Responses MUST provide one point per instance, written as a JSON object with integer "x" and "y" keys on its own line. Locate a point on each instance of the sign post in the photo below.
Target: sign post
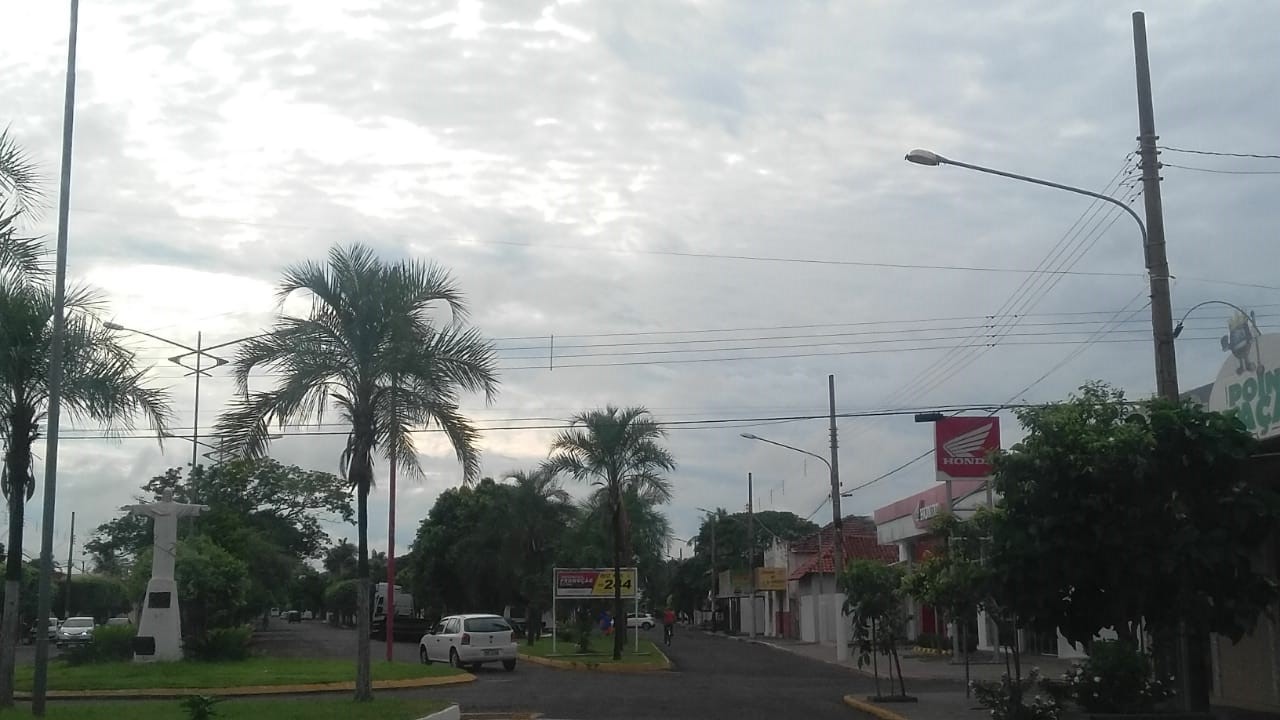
{"x": 592, "y": 584}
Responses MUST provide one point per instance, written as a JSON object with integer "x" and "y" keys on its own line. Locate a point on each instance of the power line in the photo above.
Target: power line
{"x": 1216, "y": 171}
{"x": 1220, "y": 154}
{"x": 702, "y": 423}
{"x": 1062, "y": 363}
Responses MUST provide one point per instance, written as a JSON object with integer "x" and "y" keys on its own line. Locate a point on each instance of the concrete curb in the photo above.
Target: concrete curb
{"x": 250, "y": 690}
{"x": 602, "y": 667}
{"x": 871, "y": 709}
{"x": 453, "y": 712}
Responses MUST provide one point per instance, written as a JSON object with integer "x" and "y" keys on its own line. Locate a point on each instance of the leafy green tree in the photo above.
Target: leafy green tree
{"x": 620, "y": 451}
{"x": 370, "y": 346}
{"x": 97, "y": 596}
{"x": 540, "y": 510}
{"x": 342, "y": 599}
{"x": 874, "y": 600}
{"x": 340, "y": 560}
{"x": 458, "y": 557}
{"x": 648, "y": 532}
{"x": 1115, "y": 515}
{"x": 213, "y": 584}
{"x": 101, "y": 382}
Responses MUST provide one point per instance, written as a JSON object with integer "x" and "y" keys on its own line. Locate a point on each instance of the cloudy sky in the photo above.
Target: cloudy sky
{"x": 705, "y": 203}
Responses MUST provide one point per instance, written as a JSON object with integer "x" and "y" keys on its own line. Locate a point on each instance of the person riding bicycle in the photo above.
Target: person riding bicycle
{"x": 668, "y": 625}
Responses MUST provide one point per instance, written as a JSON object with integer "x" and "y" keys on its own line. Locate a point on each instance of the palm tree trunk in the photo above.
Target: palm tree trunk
{"x": 9, "y": 625}
{"x": 364, "y": 686}
{"x": 17, "y": 464}
{"x": 619, "y": 616}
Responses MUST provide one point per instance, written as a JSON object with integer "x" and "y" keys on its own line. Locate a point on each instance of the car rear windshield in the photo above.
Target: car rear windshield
{"x": 79, "y": 622}
{"x": 487, "y": 625}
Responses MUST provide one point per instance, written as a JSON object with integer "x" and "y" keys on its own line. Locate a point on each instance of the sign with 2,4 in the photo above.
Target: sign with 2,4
{"x": 593, "y": 582}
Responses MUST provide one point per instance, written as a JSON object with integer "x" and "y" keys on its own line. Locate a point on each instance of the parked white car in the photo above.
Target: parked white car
{"x": 470, "y": 640}
{"x": 644, "y": 621}
{"x": 76, "y": 630}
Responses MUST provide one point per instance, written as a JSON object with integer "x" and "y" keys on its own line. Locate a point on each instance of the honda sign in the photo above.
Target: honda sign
{"x": 964, "y": 446}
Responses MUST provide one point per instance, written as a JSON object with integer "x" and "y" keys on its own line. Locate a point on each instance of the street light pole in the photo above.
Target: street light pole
{"x": 1157, "y": 267}
{"x": 751, "y": 555}
{"x": 44, "y": 590}
{"x": 837, "y": 549}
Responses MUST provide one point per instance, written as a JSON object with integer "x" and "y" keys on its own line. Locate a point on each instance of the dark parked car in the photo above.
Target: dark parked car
{"x": 294, "y": 616}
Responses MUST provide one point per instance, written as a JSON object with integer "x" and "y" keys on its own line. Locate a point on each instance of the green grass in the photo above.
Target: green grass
{"x": 293, "y": 709}
{"x": 601, "y": 651}
{"x": 191, "y": 674}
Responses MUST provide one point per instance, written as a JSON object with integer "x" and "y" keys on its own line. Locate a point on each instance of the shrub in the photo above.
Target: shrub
{"x": 998, "y": 697}
{"x": 201, "y": 707}
{"x": 221, "y": 644}
{"x": 111, "y": 643}
{"x": 1116, "y": 678}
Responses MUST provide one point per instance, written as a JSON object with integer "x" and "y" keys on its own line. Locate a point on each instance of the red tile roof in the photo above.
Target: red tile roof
{"x": 860, "y": 543}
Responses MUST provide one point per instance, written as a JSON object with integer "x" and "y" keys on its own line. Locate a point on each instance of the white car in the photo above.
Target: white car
{"x": 644, "y": 621}
{"x": 469, "y": 640}
{"x": 75, "y": 630}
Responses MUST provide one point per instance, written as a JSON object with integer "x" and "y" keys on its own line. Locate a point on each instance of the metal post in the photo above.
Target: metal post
{"x": 1192, "y": 688}
{"x": 555, "y": 618}
{"x": 837, "y": 551}
{"x": 195, "y": 413}
{"x": 71, "y": 547}
{"x": 751, "y": 557}
{"x": 715, "y": 577}
{"x": 40, "y": 682}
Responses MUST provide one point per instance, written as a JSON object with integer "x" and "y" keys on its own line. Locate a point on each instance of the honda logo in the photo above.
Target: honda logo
{"x": 964, "y": 445}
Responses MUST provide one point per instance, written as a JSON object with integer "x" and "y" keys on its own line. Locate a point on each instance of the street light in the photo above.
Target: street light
{"x": 1156, "y": 264}
{"x": 200, "y": 352}
{"x": 1248, "y": 316}
{"x": 837, "y": 545}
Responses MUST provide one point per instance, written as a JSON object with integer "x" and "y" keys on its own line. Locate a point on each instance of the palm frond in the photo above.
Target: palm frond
{"x": 20, "y": 178}
{"x": 20, "y": 256}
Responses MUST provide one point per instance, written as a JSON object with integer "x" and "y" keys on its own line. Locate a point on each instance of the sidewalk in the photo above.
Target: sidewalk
{"x": 932, "y": 703}
{"x": 922, "y": 668}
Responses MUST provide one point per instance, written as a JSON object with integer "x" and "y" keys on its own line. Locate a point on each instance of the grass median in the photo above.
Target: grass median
{"x": 309, "y": 709}
{"x": 193, "y": 674}
{"x": 601, "y": 652}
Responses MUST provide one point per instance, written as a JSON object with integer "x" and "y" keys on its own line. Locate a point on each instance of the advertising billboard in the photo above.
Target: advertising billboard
{"x": 964, "y": 445}
{"x": 588, "y": 583}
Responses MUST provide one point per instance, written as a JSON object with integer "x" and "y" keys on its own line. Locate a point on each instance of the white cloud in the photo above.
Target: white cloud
{"x": 541, "y": 151}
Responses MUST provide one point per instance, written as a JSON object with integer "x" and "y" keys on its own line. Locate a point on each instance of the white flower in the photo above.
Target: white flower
{"x": 1097, "y": 679}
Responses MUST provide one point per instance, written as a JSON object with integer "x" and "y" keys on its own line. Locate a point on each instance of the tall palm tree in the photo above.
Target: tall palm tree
{"x": 618, "y": 450}
{"x": 370, "y": 347}
{"x": 101, "y": 382}
{"x": 540, "y": 511}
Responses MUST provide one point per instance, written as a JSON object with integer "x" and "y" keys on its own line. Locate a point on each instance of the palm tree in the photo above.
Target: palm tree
{"x": 101, "y": 382}
{"x": 540, "y": 512}
{"x": 20, "y": 193}
{"x": 368, "y": 346}
{"x": 619, "y": 451}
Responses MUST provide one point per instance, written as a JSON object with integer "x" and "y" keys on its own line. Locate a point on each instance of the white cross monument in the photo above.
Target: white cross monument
{"x": 160, "y": 627}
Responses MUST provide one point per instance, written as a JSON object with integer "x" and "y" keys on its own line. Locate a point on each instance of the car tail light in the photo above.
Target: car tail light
{"x": 466, "y": 639}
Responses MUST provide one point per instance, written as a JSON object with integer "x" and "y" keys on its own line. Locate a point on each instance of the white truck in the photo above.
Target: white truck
{"x": 407, "y": 624}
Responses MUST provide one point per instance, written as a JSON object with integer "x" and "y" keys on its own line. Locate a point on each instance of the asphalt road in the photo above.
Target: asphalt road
{"x": 715, "y": 677}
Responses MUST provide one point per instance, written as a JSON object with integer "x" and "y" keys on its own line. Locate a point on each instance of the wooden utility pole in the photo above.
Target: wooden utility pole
{"x": 1191, "y": 645}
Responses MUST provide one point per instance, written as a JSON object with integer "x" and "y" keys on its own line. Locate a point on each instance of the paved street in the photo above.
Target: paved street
{"x": 714, "y": 678}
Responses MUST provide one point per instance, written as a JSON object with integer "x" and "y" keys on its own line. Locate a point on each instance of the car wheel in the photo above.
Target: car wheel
{"x": 422, "y": 655}
{"x": 509, "y": 665}
{"x": 454, "y": 660}
{"x": 647, "y": 626}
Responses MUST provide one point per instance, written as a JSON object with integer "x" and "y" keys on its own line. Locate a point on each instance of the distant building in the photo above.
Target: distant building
{"x": 813, "y": 597}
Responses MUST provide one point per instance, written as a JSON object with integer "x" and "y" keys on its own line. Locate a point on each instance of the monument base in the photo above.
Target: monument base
{"x": 159, "y": 637}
